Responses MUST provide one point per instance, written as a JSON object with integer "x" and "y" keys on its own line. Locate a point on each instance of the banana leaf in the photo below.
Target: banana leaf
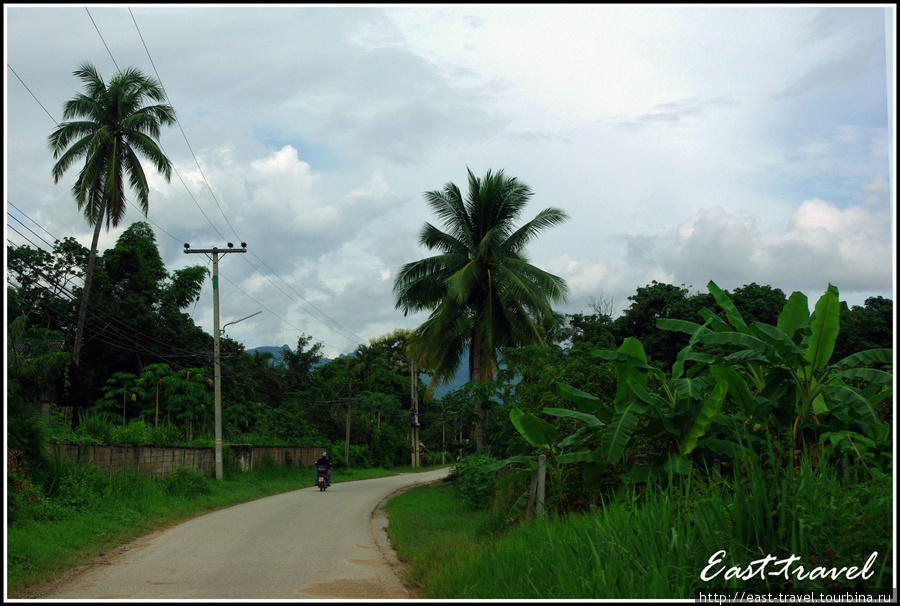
{"x": 615, "y": 439}
{"x": 581, "y": 455}
{"x": 705, "y": 416}
{"x": 852, "y": 399}
{"x": 782, "y": 343}
{"x": 514, "y": 460}
{"x": 872, "y": 375}
{"x": 740, "y": 341}
{"x": 536, "y": 431}
{"x": 593, "y": 423}
{"x": 684, "y": 326}
{"x": 584, "y": 400}
{"x": 794, "y": 315}
{"x": 824, "y": 330}
{"x": 731, "y": 312}
{"x": 869, "y": 356}
{"x": 691, "y": 388}
{"x": 737, "y": 387}
{"x": 714, "y": 321}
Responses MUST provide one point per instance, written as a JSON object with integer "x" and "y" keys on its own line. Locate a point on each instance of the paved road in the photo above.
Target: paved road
{"x": 300, "y": 544}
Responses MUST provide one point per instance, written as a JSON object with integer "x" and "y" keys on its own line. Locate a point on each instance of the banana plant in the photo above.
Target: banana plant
{"x": 747, "y": 376}
{"x": 679, "y": 418}
{"x": 781, "y": 376}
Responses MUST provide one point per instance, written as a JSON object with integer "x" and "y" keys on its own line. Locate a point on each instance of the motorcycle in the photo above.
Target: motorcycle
{"x": 322, "y": 477}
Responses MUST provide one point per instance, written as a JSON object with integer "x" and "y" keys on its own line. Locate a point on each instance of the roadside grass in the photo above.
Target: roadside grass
{"x": 654, "y": 547}
{"x": 94, "y": 513}
{"x": 432, "y": 527}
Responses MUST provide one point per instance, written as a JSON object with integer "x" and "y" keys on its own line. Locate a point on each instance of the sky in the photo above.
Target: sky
{"x": 688, "y": 144}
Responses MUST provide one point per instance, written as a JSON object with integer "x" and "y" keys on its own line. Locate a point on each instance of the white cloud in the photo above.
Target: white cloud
{"x": 687, "y": 143}
{"x": 821, "y": 243}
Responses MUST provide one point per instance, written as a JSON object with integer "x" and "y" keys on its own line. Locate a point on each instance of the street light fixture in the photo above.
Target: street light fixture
{"x": 222, "y": 331}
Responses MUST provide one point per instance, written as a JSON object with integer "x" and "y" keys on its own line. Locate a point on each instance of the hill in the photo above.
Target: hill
{"x": 460, "y": 379}
{"x": 277, "y": 356}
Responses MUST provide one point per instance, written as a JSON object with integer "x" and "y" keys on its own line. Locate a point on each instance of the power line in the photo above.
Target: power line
{"x": 352, "y": 337}
{"x": 101, "y": 38}
{"x": 113, "y": 324}
{"x": 178, "y": 122}
{"x": 32, "y": 94}
{"x": 147, "y": 50}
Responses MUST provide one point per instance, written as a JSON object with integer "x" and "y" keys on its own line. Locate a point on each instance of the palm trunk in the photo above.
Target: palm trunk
{"x": 476, "y": 374}
{"x": 86, "y": 291}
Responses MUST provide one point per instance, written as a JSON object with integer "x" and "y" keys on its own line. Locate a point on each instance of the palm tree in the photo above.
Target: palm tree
{"x": 482, "y": 291}
{"x": 114, "y": 126}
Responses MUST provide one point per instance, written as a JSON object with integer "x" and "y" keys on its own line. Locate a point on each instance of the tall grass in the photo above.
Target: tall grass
{"x": 657, "y": 547}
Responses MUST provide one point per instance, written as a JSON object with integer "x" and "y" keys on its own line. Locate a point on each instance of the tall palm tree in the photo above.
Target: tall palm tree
{"x": 482, "y": 291}
{"x": 113, "y": 127}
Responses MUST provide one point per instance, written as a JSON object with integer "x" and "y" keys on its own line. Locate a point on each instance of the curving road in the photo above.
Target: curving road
{"x": 296, "y": 545}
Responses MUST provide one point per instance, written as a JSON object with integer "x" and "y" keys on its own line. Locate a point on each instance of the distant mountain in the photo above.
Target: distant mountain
{"x": 460, "y": 378}
{"x": 275, "y": 351}
{"x": 278, "y": 356}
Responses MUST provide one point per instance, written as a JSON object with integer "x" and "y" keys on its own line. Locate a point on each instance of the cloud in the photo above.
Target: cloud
{"x": 847, "y": 247}
{"x": 687, "y": 143}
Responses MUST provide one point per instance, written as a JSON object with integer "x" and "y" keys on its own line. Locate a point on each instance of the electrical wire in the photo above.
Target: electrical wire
{"x": 359, "y": 341}
{"x": 352, "y": 337}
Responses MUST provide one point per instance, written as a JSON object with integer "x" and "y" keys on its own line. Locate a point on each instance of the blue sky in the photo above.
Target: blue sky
{"x": 688, "y": 143}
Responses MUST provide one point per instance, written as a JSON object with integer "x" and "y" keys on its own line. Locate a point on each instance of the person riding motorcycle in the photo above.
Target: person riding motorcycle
{"x": 324, "y": 462}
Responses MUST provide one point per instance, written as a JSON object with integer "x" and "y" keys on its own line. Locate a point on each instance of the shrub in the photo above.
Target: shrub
{"x": 82, "y": 486}
{"x": 268, "y": 464}
{"x": 136, "y": 432}
{"x": 25, "y": 500}
{"x": 94, "y": 425}
{"x": 165, "y": 435}
{"x": 187, "y": 483}
{"x": 360, "y": 456}
{"x": 474, "y": 483}
{"x": 390, "y": 447}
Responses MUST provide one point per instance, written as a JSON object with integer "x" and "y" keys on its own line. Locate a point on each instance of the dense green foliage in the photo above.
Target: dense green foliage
{"x": 755, "y": 441}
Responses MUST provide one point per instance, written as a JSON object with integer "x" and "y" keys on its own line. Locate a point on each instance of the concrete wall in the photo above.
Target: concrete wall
{"x": 159, "y": 461}
{"x": 250, "y": 457}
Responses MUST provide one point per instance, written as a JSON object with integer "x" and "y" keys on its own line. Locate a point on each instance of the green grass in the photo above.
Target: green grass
{"x": 103, "y": 512}
{"x": 654, "y": 548}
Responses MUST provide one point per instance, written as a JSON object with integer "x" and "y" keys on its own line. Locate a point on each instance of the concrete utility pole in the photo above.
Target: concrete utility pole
{"x": 216, "y": 333}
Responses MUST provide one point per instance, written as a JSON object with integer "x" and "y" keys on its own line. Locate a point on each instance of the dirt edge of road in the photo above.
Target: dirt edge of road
{"x": 379, "y": 522}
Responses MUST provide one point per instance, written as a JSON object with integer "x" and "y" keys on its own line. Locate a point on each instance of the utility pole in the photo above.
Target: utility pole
{"x": 414, "y": 426}
{"x": 347, "y": 433}
{"x": 216, "y": 355}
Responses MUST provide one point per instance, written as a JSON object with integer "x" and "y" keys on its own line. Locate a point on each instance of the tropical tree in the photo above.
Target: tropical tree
{"x": 482, "y": 292}
{"x": 112, "y": 127}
